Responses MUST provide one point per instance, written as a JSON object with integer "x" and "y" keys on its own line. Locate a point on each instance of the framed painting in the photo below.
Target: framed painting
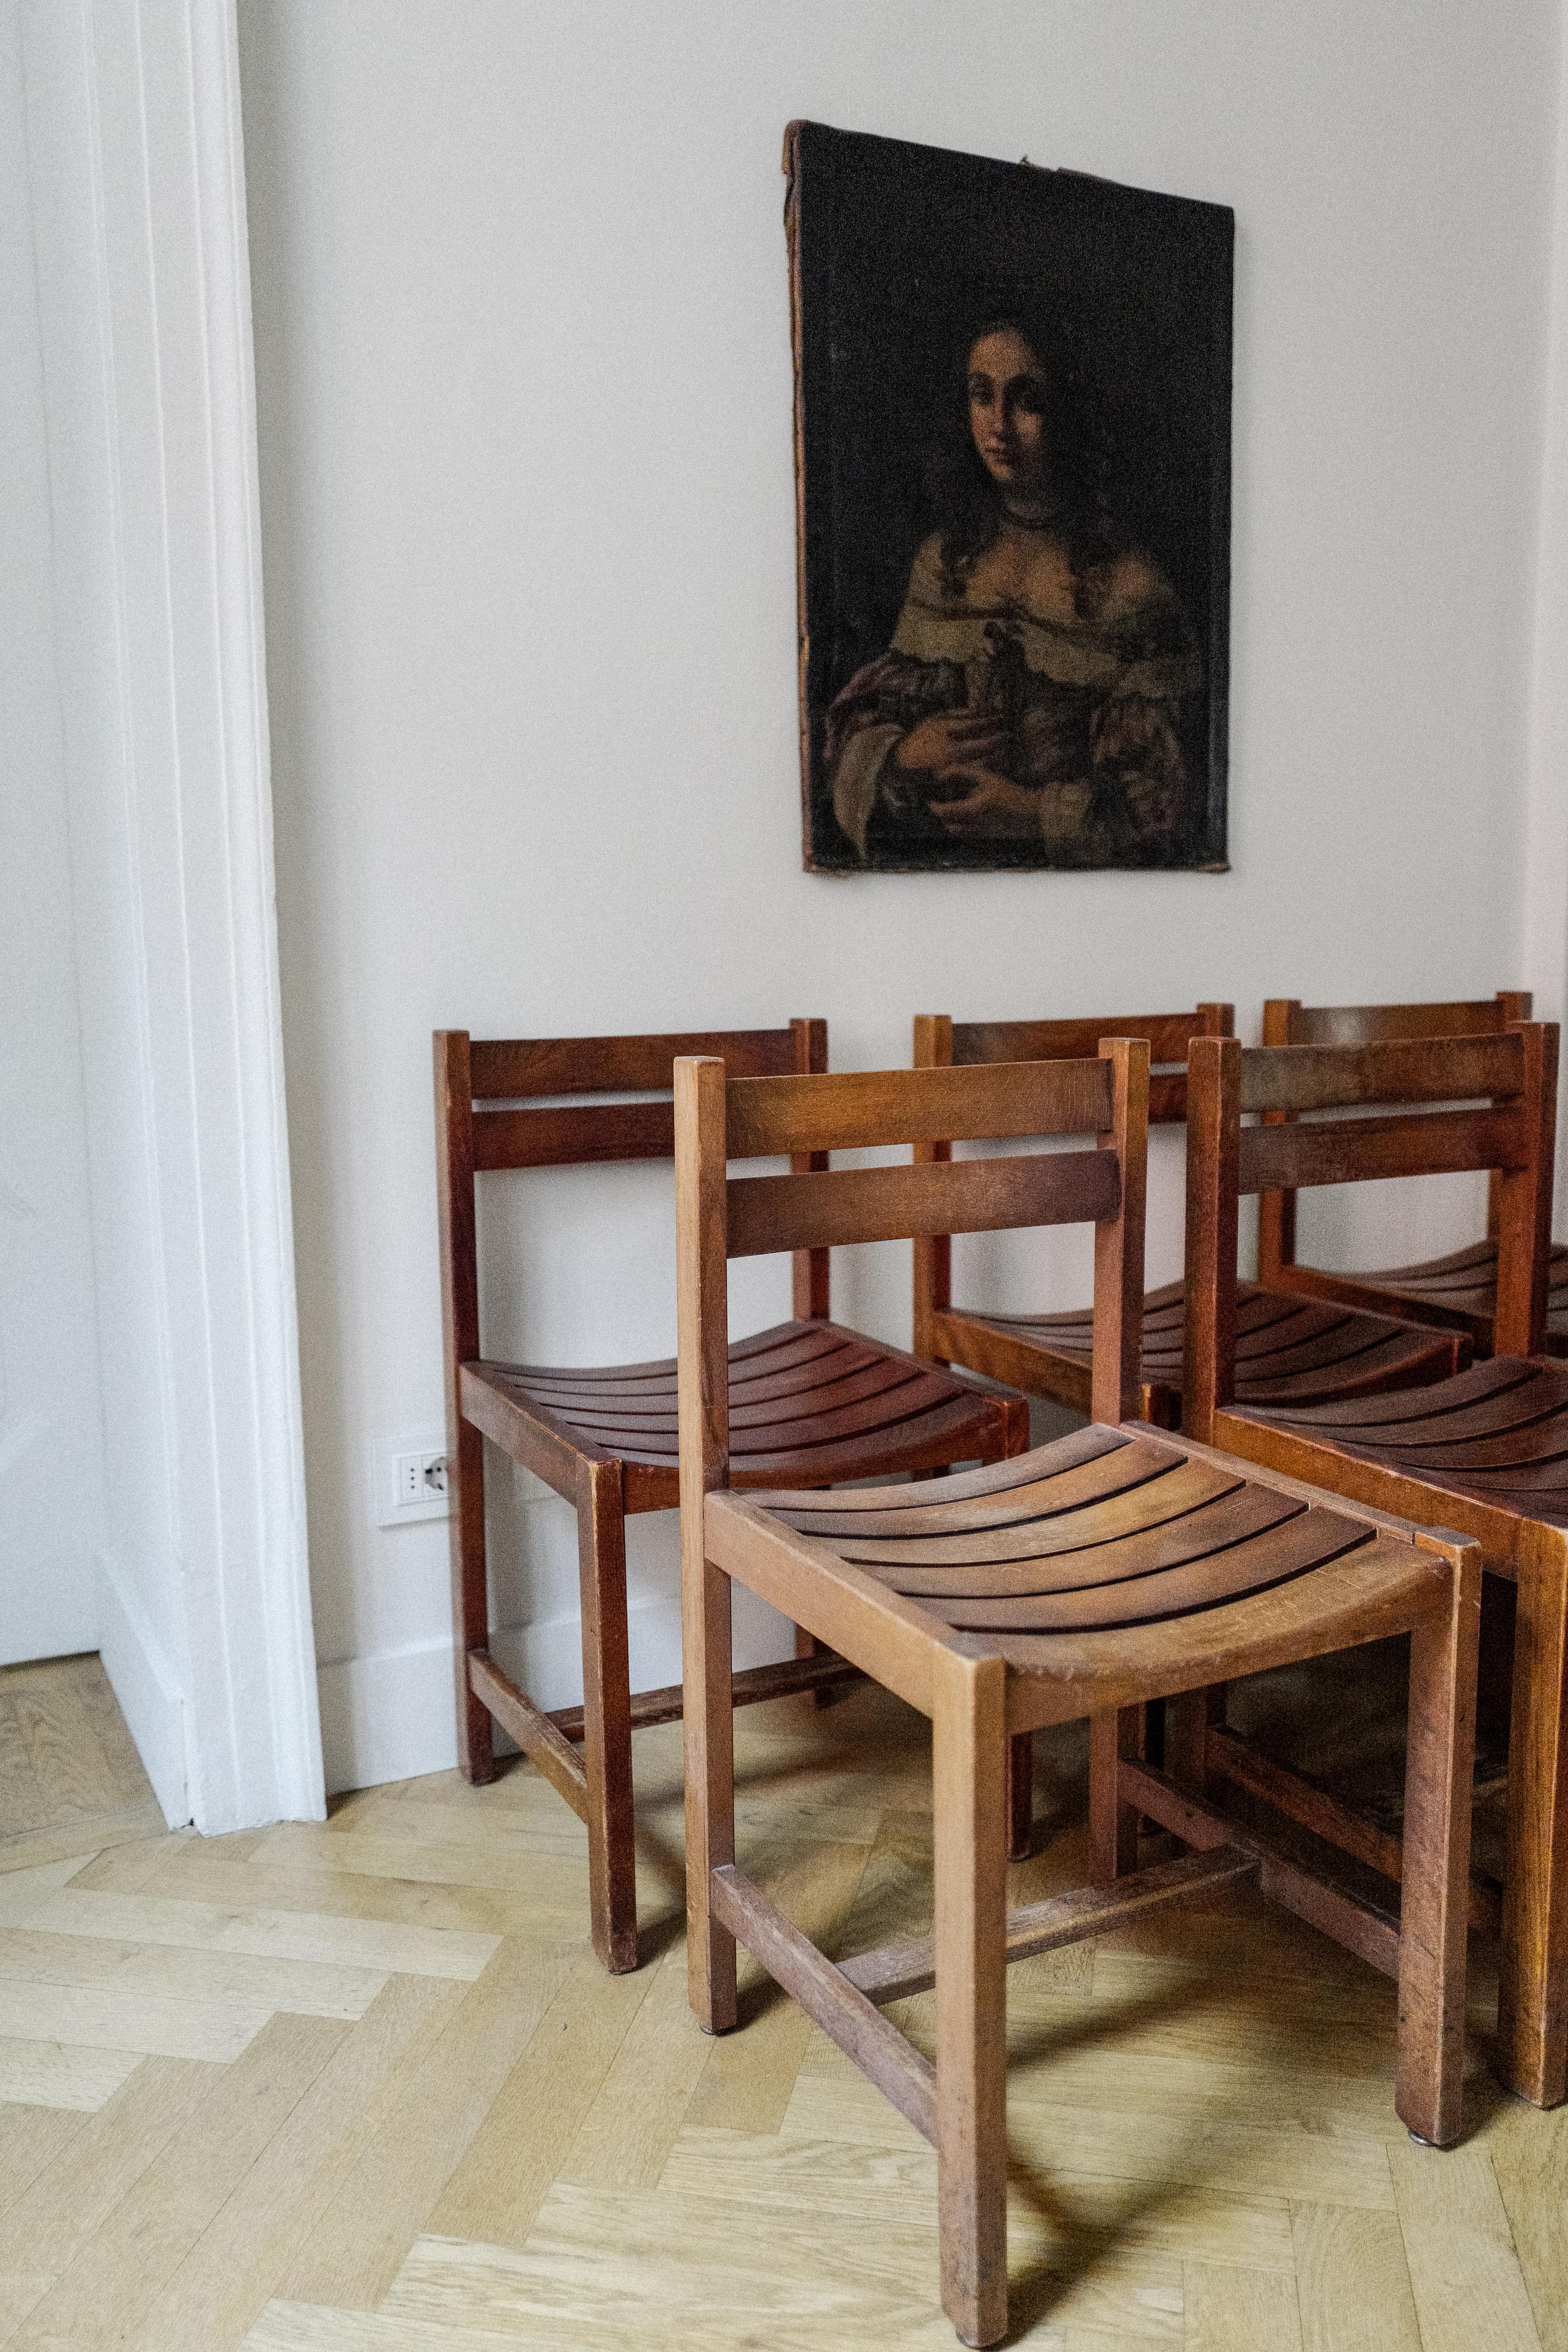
{"x": 1012, "y": 481}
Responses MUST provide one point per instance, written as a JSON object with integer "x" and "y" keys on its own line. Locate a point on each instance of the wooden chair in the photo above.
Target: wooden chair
{"x": 810, "y": 1399}
{"x": 1457, "y": 1293}
{"x": 1487, "y": 1452}
{"x": 1288, "y": 1350}
{"x": 1087, "y": 1577}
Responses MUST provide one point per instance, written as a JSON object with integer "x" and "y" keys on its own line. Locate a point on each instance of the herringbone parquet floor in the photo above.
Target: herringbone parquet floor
{"x": 363, "y": 2088}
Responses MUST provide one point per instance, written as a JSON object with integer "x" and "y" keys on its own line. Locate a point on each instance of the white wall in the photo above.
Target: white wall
{"x": 524, "y": 395}
{"x": 51, "y": 1416}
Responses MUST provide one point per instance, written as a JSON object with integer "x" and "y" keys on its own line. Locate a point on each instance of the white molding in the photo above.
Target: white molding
{"x": 173, "y": 851}
{"x": 146, "y": 1685}
{"x": 1544, "y": 880}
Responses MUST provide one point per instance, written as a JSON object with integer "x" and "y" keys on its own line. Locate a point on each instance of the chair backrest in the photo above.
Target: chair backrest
{"x": 499, "y": 1105}
{"x": 1502, "y": 1093}
{"x": 942, "y": 1043}
{"x": 719, "y": 1118}
{"x": 1288, "y": 1022}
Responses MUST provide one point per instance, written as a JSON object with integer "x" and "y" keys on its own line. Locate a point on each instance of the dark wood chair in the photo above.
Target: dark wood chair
{"x": 1087, "y": 1577}
{"x": 810, "y": 1400}
{"x": 1486, "y": 1452}
{"x": 1289, "y": 1350}
{"x": 1457, "y": 1292}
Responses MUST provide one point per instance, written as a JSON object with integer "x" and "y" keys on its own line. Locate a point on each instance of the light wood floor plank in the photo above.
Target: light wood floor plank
{"x": 96, "y": 2017}
{"x": 1234, "y": 2310}
{"x": 22, "y": 1890}
{"x": 236, "y": 2264}
{"x": 748, "y": 2076}
{"x": 353, "y": 2253}
{"x": 23, "y": 1804}
{"x": 192, "y": 1874}
{"x": 1469, "y": 2291}
{"x": 505, "y": 2174}
{"x": 61, "y": 2074}
{"x": 43, "y": 2230}
{"x": 316, "y": 1988}
{"x": 1352, "y": 2282}
{"x": 105, "y": 2293}
{"x": 381, "y": 1946}
{"x": 31, "y": 2138}
{"x": 1529, "y": 2159}
{"x": 554, "y": 1881}
{"x": 629, "y": 2128}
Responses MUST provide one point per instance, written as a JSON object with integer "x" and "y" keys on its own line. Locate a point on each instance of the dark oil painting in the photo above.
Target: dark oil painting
{"x": 1013, "y": 458}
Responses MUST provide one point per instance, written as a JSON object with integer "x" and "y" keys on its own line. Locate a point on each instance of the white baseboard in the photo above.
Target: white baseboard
{"x": 146, "y": 1686}
{"x": 391, "y": 1716}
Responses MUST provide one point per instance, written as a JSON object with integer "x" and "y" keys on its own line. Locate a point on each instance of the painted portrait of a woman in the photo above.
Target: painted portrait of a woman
{"x": 1030, "y": 703}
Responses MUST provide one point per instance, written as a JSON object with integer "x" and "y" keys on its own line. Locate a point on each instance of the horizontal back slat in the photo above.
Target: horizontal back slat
{"x": 859, "y": 1109}
{"x": 1371, "y": 1025}
{"x": 876, "y": 1204}
{"x": 1434, "y": 1069}
{"x": 976, "y": 1042}
{"x": 505, "y": 1068}
{"x": 1351, "y": 1150}
{"x": 568, "y": 1137}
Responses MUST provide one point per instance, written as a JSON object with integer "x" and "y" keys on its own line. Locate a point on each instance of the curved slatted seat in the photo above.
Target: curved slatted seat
{"x": 1141, "y": 1542}
{"x": 1289, "y": 1350}
{"x": 1497, "y": 1434}
{"x": 808, "y": 1400}
{"x": 1461, "y": 1290}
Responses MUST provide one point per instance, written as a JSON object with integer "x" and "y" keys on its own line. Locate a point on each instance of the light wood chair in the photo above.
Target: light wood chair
{"x": 1087, "y": 1577}
{"x": 1289, "y": 1350}
{"x": 1486, "y": 1452}
{"x": 810, "y": 1400}
{"x": 1457, "y": 1292}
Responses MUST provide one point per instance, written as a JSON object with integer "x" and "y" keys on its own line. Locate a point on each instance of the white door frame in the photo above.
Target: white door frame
{"x": 137, "y": 160}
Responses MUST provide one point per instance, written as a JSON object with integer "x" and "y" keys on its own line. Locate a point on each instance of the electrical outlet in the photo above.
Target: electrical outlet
{"x": 408, "y": 1479}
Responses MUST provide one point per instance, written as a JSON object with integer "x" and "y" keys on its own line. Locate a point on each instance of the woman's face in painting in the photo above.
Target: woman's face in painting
{"x": 1007, "y": 403}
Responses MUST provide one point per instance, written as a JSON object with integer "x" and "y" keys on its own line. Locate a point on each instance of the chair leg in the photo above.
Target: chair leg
{"x": 1533, "y": 2009}
{"x": 1020, "y": 1795}
{"x": 1435, "y": 1890}
{"x": 470, "y": 1600}
{"x": 607, "y": 1716}
{"x": 707, "y": 1654}
{"x": 1113, "y": 1734}
{"x": 969, "y": 1743}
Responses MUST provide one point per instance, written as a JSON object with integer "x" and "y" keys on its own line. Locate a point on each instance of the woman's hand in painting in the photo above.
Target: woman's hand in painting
{"x": 948, "y": 741}
{"x": 994, "y": 805}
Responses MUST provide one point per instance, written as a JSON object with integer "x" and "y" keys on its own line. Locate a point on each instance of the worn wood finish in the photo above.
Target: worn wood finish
{"x": 1291, "y": 1348}
{"x": 1065, "y": 1582}
{"x": 858, "y": 1109}
{"x": 1486, "y": 1452}
{"x": 1458, "y": 1290}
{"x": 810, "y": 1400}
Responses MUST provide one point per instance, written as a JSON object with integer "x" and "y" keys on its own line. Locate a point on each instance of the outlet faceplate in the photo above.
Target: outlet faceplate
{"x": 408, "y": 1477}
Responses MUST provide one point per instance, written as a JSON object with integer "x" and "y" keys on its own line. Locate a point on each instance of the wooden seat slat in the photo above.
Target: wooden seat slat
{"x": 923, "y": 1563}
{"x": 1291, "y": 1549}
{"x": 1089, "y": 1484}
{"x": 1076, "y": 1451}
